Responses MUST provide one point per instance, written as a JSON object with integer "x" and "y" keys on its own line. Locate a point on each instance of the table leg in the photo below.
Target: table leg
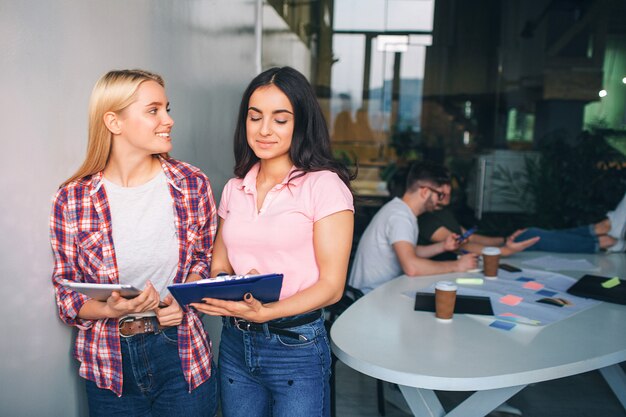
{"x": 424, "y": 402}
{"x": 616, "y": 378}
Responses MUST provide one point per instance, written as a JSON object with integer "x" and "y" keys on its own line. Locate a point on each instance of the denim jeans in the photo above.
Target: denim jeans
{"x": 576, "y": 240}
{"x": 154, "y": 384}
{"x": 264, "y": 374}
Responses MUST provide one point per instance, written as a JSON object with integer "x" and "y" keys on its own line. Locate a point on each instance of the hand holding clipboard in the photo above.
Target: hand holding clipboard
{"x": 263, "y": 287}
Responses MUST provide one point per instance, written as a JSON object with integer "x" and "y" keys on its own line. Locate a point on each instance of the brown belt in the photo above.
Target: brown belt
{"x": 130, "y": 326}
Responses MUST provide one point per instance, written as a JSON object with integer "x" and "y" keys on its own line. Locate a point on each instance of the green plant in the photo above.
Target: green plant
{"x": 575, "y": 181}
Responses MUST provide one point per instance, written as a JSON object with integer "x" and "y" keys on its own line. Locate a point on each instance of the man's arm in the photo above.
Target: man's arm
{"x": 476, "y": 243}
{"x": 428, "y": 251}
{"x": 487, "y": 240}
{"x": 414, "y": 265}
{"x": 469, "y": 245}
{"x": 449, "y": 244}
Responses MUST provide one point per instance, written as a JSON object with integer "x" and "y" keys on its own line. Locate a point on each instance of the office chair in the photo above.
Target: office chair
{"x": 350, "y": 295}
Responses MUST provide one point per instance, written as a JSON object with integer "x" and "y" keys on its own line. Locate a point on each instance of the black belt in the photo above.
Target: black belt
{"x": 278, "y": 327}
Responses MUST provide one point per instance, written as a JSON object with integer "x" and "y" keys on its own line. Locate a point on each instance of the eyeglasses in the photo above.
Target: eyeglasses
{"x": 440, "y": 194}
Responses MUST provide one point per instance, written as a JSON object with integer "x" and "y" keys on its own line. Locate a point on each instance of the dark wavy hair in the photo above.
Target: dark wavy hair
{"x": 310, "y": 145}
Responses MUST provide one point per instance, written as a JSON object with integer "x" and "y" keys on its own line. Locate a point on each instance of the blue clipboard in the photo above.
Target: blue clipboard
{"x": 263, "y": 287}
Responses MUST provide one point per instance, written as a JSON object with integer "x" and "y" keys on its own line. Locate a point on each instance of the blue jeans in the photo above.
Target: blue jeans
{"x": 154, "y": 384}
{"x": 264, "y": 374}
{"x": 576, "y": 240}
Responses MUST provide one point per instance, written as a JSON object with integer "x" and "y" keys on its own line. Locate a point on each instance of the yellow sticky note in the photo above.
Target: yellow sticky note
{"x": 469, "y": 281}
{"x": 613, "y": 282}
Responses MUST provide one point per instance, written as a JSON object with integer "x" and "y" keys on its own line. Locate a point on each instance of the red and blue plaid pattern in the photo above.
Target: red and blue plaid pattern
{"x": 82, "y": 243}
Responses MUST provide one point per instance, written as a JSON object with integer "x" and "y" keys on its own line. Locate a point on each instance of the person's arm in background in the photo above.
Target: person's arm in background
{"x": 449, "y": 244}
{"x": 413, "y": 264}
{"x": 487, "y": 240}
{"x": 475, "y": 243}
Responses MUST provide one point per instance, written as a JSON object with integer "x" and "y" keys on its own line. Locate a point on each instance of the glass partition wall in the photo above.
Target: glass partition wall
{"x": 488, "y": 87}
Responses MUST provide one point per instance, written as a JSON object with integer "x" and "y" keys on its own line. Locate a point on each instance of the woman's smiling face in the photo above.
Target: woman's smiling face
{"x": 146, "y": 124}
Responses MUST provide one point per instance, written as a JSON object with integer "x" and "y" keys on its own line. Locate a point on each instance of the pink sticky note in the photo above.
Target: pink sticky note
{"x": 533, "y": 285}
{"x": 511, "y": 300}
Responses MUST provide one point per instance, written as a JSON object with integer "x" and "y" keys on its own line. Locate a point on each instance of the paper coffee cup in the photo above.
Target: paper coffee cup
{"x": 445, "y": 298}
{"x": 491, "y": 260}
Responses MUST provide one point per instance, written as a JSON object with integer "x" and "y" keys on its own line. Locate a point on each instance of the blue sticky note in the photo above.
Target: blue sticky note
{"x": 524, "y": 279}
{"x": 503, "y": 325}
{"x": 546, "y": 293}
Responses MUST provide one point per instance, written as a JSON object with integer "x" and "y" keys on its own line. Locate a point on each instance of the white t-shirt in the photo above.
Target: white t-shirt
{"x": 144, "y": 233}
{"x": 376, "y": 261}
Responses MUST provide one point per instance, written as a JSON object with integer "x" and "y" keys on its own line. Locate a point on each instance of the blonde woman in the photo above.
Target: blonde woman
{"x": 131, "y": 214}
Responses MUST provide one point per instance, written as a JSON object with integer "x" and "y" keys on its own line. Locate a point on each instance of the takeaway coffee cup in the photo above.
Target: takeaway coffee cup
{"x": 491, "y": 259}
{"x": 445, "y": 298}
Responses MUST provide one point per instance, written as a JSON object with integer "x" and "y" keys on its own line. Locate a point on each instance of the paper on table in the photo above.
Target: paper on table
{"x": 554, "y": 285}
{"x": 555, "y": 263}
{"x": 518, "y": 319}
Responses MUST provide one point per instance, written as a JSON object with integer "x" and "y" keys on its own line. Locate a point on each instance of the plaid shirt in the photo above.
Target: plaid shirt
{"x": 82, "y": 243}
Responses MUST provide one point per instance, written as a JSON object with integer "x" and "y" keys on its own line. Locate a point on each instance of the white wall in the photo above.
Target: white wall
{"x": 51, "y": 54}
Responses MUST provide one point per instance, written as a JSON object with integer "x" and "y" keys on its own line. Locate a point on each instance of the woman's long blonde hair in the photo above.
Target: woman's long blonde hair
{"x": 113, "y": 92}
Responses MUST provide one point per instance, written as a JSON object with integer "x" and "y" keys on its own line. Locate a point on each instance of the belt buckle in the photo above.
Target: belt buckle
{"x": 148, "y": 325}
{"x": 239, "y": 322}
{"x": 121, "y": 323}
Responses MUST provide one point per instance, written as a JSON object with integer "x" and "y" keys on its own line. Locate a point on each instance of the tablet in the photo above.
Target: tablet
{"x": 101, "y": 292}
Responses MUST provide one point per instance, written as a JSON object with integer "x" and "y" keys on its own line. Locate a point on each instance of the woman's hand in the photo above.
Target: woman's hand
{"x": 249, "y": 309}
{"x": 172, "y": 314}
{"x": 119, "y": 306}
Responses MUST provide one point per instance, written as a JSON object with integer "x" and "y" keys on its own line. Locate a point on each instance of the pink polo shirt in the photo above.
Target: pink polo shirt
{"x": 279, "y": 237}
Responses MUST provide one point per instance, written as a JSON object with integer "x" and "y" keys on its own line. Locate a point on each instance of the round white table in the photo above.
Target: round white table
{"x": 382, "y": 336}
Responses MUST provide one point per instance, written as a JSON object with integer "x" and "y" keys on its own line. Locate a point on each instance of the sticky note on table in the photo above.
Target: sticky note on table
{"x": 469, "y": 281}
{"x": 613, "y": 282}
{"x": 503, "y": 325}
{"x": 533, "y": 285}
{"x": 524, "y": 279}
{"x": 511, "y": 300}
{"x": 546, "y": 293}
